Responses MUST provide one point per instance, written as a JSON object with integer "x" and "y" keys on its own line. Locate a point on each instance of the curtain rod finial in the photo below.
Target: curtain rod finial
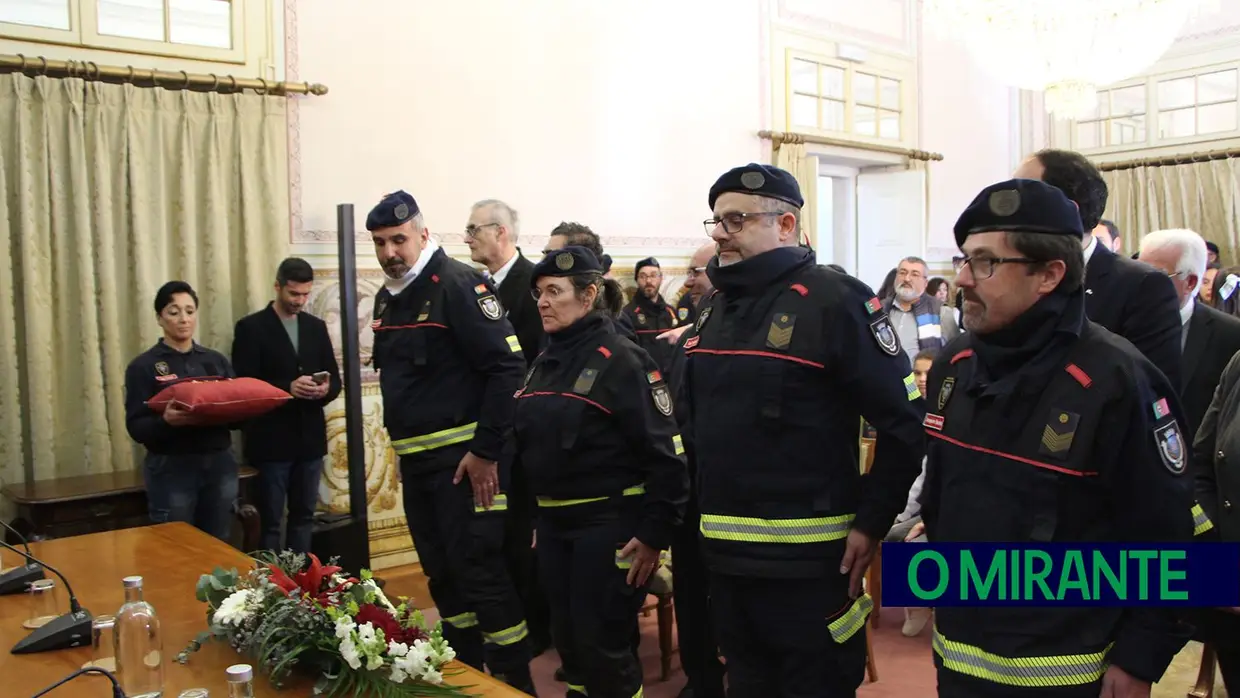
{"x": 317, "y": 89}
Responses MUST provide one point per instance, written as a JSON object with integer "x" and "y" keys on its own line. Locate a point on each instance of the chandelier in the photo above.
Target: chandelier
{"x": 1063, "y": 48}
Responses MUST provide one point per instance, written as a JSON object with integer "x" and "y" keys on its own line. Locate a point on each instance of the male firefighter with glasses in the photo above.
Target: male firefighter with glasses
{"x": 788, "y": 523}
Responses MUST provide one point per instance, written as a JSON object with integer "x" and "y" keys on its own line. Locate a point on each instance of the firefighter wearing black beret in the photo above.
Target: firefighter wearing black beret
{"x": 449, "y": 363}
{"x": 594, "y": 432}
{"x": 1046, "y": 428}
{"x": 649, "y": 314}
{"x": 783, "y": 362}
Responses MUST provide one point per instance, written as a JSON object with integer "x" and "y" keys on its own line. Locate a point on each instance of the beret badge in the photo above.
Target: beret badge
{"x": 401, "y": 211}
{"x": 1004, "y": 202}
{"x": 564, "y": 261}
{"x": 753, "y": 180}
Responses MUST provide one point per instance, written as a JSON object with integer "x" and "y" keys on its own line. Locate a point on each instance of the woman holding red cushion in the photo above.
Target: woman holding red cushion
{"x": 189, "y": 470}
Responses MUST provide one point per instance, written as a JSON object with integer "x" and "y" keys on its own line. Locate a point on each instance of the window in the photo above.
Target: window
{"x": 200, "y": 29}
{"x": 843, "y": 99}
{"x": 1197, "y": 105}
{"x": 1118, "y": 120}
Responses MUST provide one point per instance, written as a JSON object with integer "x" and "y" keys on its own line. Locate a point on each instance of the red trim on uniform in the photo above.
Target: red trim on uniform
{"x": 435, "y": 278}
{"x": 605, "y": 352}
{"x": 1009, "y": 456}
{"x": 933, "y": 421}
{"x": 650, "y": 331}
{"x": 692, "y": 341}
{"x": 763, "y": 354}
{"x": 962, "y": 355}
{"x": 800, "y": 289}
{"x": 410, "y": 327}
{"x": 572, "y": 395}
{"x": 1080, "y": 376}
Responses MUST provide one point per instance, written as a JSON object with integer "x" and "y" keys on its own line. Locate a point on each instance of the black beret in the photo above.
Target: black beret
{"x": 569, "y": 261}
{"x": 647, "y": 262}
{"x": 763, "y": 180}
{"x": 395, "y": 209}
{"x": 1212, "y": 247}
{"x": 1021, "y": 206}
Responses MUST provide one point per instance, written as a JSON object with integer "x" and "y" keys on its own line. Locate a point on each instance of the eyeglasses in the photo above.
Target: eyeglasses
{"x": 694, "y": 271}
{"x": 649, "y": 277}
{"x": 984, "y": 267}
{"x": 733, "y": 222}
{"x": 471, "y": 231}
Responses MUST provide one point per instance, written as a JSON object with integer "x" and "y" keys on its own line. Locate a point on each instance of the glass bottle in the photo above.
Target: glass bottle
{"x": 240, "y": 681}
{"x": 139, "y": 645}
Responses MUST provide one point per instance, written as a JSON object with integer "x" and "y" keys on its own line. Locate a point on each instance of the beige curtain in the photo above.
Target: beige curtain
{"x": 792, "y": 157}
{"x": 1201, "y": 196}
{"x": 108, "y": 191}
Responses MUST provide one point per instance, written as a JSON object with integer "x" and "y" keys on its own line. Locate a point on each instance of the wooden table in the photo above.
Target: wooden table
{"x": 170, "y": 558}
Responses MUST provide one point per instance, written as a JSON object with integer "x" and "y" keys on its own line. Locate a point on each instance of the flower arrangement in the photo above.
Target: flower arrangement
{"x": 293, "y": 613}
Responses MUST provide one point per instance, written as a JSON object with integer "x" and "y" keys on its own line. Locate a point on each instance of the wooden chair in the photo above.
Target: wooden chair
{"x": 1205, "y": 674}
{"x": 873, "y": 576}
{"x": 664, "y": 608}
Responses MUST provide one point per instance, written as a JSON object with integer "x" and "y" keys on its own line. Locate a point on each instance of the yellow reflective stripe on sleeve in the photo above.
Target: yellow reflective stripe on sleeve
{"x": 750, "y": 530}
{"x": 910, "y": 387}
{"x": 462, "y": 620}
{"x": 500, "y": 503}
{"x": 623, "y": 563}
{"x": 639, "y": 693}
{"x": 628, "y": 492}
{"x": 513, "y": 344}
{"x": 507, "y": 636}
{"x": 578, "y": 688}
{"x": 1201, "y": 522}
{"x": 1030, "y": 672}
{"x": 678, "y": 444}
{"x": 852, "y": 620}
{"x": 430, "y": 442}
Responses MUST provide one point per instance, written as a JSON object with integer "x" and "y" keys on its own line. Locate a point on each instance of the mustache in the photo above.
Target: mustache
{"x": 393, "y": 261}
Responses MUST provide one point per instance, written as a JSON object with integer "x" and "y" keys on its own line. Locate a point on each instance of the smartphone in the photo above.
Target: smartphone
{"x": 321, "y": 377}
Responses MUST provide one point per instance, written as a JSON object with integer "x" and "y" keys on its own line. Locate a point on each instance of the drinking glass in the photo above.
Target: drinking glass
{"x": 44, "y": 603}
{"x": 102, "y": 655}
{"x": 194, "y": 693}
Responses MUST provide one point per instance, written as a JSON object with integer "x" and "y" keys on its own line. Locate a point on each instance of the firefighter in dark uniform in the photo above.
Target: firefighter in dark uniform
{"x": 594, "y": 432}
{"x": 1046, "y": 428}
{"x": 449, "y": 363}
{"x": 783, "y": 361}
{"x": 651, "y": 315}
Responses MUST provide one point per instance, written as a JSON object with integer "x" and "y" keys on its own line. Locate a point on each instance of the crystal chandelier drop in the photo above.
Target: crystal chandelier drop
{"x": 1063, "y": 48}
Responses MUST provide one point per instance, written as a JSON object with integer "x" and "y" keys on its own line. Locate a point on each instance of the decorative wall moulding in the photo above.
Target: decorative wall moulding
{"x": 890, "y": 25}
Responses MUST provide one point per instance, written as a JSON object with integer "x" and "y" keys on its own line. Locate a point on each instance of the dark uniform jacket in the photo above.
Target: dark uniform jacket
{"x": 1216, "y": 455}
{"x": 686, "y": 311}
{"x": 1054, "y": 430}
{"x": 156, "y": 369}
{"x": 1213, "y": 338}
{"x": 594, "y": 422}
{"x": 649, "y": 319}
{"x": 448, "y": 362}
{"x": 784, "y": 360}
{"x": 514, "y": 294}
{"x": 296, "y": 431}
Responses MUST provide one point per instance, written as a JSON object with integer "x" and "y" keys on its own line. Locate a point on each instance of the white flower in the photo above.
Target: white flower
{"x": 234, "y": 610}
{"x": 366, "y": 633}
{"x": 398, "y": 675}
{"x": 344, "y": 627}
{"x": 447, "y": 655}
{"x": 380, "y": 598}
{"x": 432, "y": 675}
{"x": 348, "y": 652}
{"x": 397, "y": 649}
{"x": 373, "y": 662}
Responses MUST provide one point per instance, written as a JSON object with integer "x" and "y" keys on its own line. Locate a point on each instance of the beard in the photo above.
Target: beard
{"x": 907, "y": 294}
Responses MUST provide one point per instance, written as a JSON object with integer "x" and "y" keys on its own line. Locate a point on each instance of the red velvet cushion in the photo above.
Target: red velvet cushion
{"x": 221, "y": 401}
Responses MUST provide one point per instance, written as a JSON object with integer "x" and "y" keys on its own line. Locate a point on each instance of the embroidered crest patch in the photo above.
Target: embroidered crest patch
{"x": 682, "y": 313}
{"x": 662, "y": 400}
{"x": 161, "y": 368}
{"x": 564, "y": 261}
{"x": 490, "y": 307}
{"x": 381, "y": 304}
{"x": 885, "y": 335}
{"x": 1058, "y": 433}
{"x": 641, "y": 319}
{"x": 1171, "y": 446}
{"x": 945, "y": 391}
{"x": 702, "y": 319}
{"x": 779, "y": 334}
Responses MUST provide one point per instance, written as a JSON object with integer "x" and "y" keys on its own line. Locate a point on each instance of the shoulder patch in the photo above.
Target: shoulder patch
{"x": 653, "y": 377}
{"x": 701, "y": 321}
{"x": 885, "y": 335}
{"x": 682, "y": 314}
{"x": 945, "y": 391}
{"x": 585, "y": 381}
{"x": 491, "y": 309}
{"x": 779, "y": 334}
{"x": 873, "y": 305}
{"x": 161, "y": 368}
{"x": 1171, "y": 446}
{"x": 1161, "y": 409}
{"x": 481, "y": 289}
{"x": 662, "y": 399}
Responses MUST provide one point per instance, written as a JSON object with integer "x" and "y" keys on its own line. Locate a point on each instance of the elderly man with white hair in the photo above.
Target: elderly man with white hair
{"x": 1210, "y": 337}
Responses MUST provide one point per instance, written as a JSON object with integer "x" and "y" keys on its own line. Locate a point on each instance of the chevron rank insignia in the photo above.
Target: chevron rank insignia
{"x": 779, "y": 336}
{"x": 1058, "y": 434}
{"x": 426, "y": 312}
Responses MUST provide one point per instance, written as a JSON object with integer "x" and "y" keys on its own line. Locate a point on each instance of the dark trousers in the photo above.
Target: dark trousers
{"x": 297, "y": 484}
{"x": 1222, "y": 630}
{"x": 695, "y": 632}
{"x": 522, "y": 561}
{"x": 198, "y": 489}
{"x": 593, "y": 608}
{"x": 461, "y": 551}
{"x": 956, "y": 685}
{"x": 775, "y": 635}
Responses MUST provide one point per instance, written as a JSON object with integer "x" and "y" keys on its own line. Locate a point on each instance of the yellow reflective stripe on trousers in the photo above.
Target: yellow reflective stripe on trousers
{"x": 507, "y": 636}
{"x": 910, "y": 387}
{"x": 578, "y": 688}
{"x": 1201, "y": 522}
{"x": 623, "y": 563}
{"x": 462, "y": 620}
{"x": 628, "y": 492}
{"x": 749, "y": 530}
{"x": 513, "y": 344}
{"x": 430, "y": 442}
{"x": 1030, "y": 672}
{"x": 678, "y": 444}
{"x": 847, "y": 625}
{"x": 500, "y": 503}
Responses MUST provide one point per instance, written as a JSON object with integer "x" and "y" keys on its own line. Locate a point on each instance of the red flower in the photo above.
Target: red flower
{"x": 310, "y": 582}
{"x": 389, "y": 624}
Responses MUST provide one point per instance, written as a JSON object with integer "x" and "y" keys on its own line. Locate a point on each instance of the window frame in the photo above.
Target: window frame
{"x": 83, "y": 33}
{"x": 850, "y": 101}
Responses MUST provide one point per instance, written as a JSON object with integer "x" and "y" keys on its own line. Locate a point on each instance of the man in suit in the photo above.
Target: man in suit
{"x": 491, "y": 234}
{"x": 290, "y": 349}
{"x": 1129, "y": 298}
{"x": 1209, "y": 338}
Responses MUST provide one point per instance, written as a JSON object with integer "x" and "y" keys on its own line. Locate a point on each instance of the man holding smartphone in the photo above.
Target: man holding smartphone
{"x": 290, "y": 349}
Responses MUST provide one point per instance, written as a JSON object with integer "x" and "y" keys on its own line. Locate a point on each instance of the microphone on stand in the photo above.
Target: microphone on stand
{"x": 16, "y": 580}
{"x": 62, "y": 632}
{"x": 116, "y": 687}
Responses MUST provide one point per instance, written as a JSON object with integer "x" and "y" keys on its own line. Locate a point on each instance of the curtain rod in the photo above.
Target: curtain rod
{"x": 1181, "y": 159}
{"x": 89, "y": 70}
{"x": 778, "y": 137}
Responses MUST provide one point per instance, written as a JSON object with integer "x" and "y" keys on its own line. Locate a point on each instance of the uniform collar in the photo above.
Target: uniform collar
{"x": 395, "y": 286}
{"x": 163, "y": 348}
{"x": 756, "y": 273}
{"x": 584, "y": 330}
